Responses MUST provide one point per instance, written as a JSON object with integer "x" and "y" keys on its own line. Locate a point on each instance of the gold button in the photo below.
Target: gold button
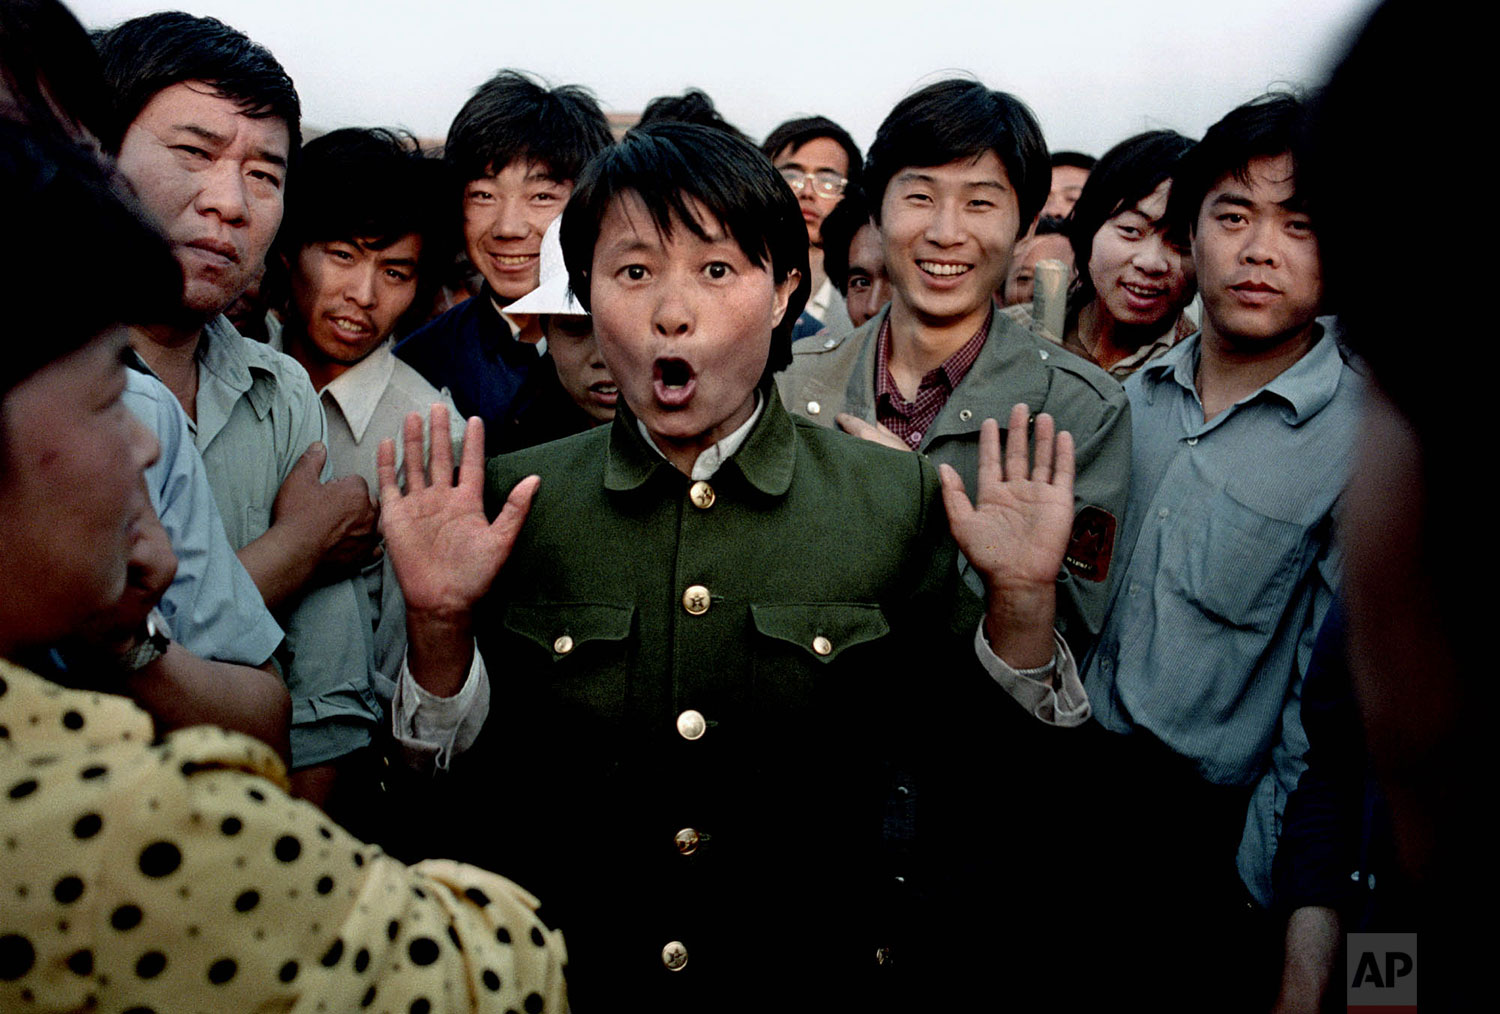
{"x": 674, "y": 956}
{"x": 690, "y": 724}
{"x": 822, "y": 645}
{"x": 702, "y": 495}
{"x": 687, "y": 841}
{"x": 813, "y": 408}
{"x": 563, "y": 645}
{"x": 695, "y": 600}
{"x": 965, "y": 414}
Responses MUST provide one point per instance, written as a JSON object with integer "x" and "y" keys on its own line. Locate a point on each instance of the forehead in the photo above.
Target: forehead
{"x": 984, "y": 169}
{"x": 1152, "y": 206}
{"x": 198, "y": 107}
{"x": 1064, "y": 176}
{"x": 818, "y": 153}
{"x": 1266, "y": 179}
{"x": 628, "y": 223}
{"x": 519, "y": 171}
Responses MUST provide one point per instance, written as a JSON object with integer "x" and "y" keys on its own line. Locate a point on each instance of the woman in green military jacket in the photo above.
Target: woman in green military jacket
{"x": 721, "y": 630}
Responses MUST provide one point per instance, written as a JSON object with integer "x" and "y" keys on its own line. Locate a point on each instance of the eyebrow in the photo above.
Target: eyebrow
{"x": 990, "y": 184}
{"x": 214, "y": 137}
{"x": 1294, "y": 204}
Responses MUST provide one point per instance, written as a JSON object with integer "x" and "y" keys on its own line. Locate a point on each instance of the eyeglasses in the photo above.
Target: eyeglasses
{"x": 825, "y": 182}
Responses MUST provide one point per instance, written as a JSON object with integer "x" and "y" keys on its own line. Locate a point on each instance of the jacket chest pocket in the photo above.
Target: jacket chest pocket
{"x": 573, "y": 654}
{"x": 807, "y": 652}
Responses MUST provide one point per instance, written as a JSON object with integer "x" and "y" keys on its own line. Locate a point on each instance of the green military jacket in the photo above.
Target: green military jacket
{"x": 701, "y": 695}
{"x": 837, "y": 374}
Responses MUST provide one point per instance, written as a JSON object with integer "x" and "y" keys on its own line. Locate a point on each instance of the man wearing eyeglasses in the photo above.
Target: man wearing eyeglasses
{"x": 818, "y": 159}
{"x": 956, "y": 176}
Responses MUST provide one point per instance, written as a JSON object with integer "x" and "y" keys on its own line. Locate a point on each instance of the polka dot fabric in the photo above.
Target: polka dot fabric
{"x": 179, "y": 876}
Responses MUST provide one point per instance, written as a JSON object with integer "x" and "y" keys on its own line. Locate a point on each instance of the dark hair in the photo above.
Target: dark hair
{"x": 512, "y": 117}
{"x": 959, "y": 119}
{"x": 146, "y": 54}
{"x": 692, "y": 106}
{"x": 375, "y": 186}
{"x": 52, "y": 192}
{"x": 1051, "y": 225}
{"x": 1265, "y": 127}
{"x": 839, "y": 228}
{"x": 1128, "y": 172}
{"x": 1073, "y": 159}
{"x": 665, "y": 164}
{"x": 45, "y": 54}
{"x": 794, "y": 134}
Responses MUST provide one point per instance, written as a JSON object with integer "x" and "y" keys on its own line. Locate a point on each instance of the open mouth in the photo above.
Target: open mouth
{"x": 674, "y": 382}
{"x": 351, "y": 328}
{"x": 939, "y": 269}
{"x": 674, "y": 373}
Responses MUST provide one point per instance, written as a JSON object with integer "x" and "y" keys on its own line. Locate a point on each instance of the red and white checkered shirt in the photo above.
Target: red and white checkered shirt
{"x": 910, "y": 420}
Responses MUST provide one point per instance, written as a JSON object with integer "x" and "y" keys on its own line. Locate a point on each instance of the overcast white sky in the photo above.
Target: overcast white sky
{"x": 1094, "y": 71}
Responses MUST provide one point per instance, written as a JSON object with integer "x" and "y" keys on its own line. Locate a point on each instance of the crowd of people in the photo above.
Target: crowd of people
{"x": 954, "y": 573}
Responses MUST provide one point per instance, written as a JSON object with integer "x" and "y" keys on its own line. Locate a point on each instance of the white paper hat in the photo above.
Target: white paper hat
{"x": 551, "y": 295}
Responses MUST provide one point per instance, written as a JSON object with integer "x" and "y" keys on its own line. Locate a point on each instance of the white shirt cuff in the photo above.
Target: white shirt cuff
{"x": 1066, "y": 705}
{"x": 430, "y": 729}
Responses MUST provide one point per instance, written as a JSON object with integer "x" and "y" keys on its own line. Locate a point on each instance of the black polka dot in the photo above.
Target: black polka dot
{"x": 392, "y": 928}
{"x": 325, "y": 884}
{"x": 477, "y": 896}
{"x": 537, "y": 938}
{"x": 126, "y": 917}
{"x": 534, "y": 1003}
{"x": 87, "y": 826}
{"x": 256, "y": 794}
{"x": 422, "y": 951}
{"x": 230, "y": 827}
{"x": 222, "y": 971}
{"x": 72, "y": 720}
{"x": 333, "y": 954}
{"x": 95, "y": 771}
{"x": 4, "y": 686}
{"x": 419, "y": 893}
{"x": 491, "y": 980}
{"x": 67, "y": 890}
{"x": 288, "y": 848}
{"x": 4, "y": 732}
{"x": 359, "y": 859}
{"x": 503, "y": 935}
{"x": 288, "y": 972}
{"x": 247, "y": 901}
{"x": 368, "y": 998}
{"x": 323, "y": 830}
{"x": 362, "y": 960}
{"x": 81, "y": 962}
{"x": 21, "y": 790}
{"x": 160, "y": 858}
{"x": 150, "y": 964}
{"x": 16, "y": 956}
{"x": 421, "y": 1005}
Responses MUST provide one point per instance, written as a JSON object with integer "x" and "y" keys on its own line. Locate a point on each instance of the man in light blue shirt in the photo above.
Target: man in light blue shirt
{"x": 1227, "y": 563}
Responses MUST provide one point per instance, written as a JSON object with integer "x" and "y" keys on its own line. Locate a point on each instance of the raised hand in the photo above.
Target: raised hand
{"x": 1015, "y": 531}
{"x": 445, "y": 552}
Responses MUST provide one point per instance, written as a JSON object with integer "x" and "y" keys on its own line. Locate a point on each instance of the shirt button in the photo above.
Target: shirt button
{"x": 822, "y": 645}
{"x": 687, "y": 841}
{"x": 674, "y": 956}
{"x": 1042, "y": 353}
{"x": 563, "y": 645}
{"x": 1162, "y": 512}
{"x": 702, "y": 495}
{"x": 1192, "y": 441}
{"x": 690, "y": 724}
{"x": 965, "y": 415}
{"x": 830, "y": 343}
{"x": 813, "y": 408}
{"x": 916, "y": 438}
{"x": 695, "y": 600}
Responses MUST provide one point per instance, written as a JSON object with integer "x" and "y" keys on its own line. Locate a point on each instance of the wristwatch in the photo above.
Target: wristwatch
{"x": 149, "y": 644}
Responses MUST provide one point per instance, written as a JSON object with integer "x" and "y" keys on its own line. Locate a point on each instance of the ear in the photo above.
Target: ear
{"x": 784, "y": 291}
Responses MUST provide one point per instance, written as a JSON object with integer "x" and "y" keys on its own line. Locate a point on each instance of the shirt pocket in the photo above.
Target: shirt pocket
{"x": 807, "y": 651}
{"x": 1241, "y": 565}
{"x": 580, "y": 653}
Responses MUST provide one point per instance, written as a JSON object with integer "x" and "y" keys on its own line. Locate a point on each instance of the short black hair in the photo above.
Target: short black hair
{"x": 962, "y": 119}
{"x": 692, "y": 106}
{"x": 1073, "y": 159}
{"x": 794, "y": 134}
{"x": 375, "y": 186}
{"x": 49, "y": 66}
{"x": 839, "y": 228}
{"x": 1051, "y": 225}
{"x": 513, "y": 117}
{"x": 146, "y": 54}
{"x": 665, "y": 164}
{"x": 52, "y": 192}
{"x": 1128, "y": 172}
{"x": 1265, "y": 127}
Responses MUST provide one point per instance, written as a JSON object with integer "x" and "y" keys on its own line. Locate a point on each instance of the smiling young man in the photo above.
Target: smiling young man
{"x": 1243, "y": 438}
{"x": 207, "y": 127}
{"x": 682, "y": 633}
{"x": 515, "y": 148}
{"x": 956, "y": 175}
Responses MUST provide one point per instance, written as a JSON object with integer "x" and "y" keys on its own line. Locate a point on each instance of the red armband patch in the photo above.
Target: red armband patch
{"x": 1091, "y": 545}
